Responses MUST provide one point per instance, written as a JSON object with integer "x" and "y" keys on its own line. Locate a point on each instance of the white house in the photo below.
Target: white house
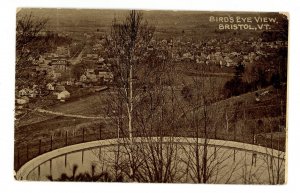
{"x": 83, "y": 78}
{"x": 107, "y": 76}
{"x": 94, "y": 56}
{"x": 101, "y": 60}
{"x": 93, "y": 77}
{"x": 54, "y": 75}
{"x": 63, "y": 95}
{"x": 90, "y": 74}
{"x": 23, "y": 92}
{"x": 32, "y": 93}
{"x": 50, "y": 86}
{"x": 23, "y": 100}
{"x": 27, "y": 92}
{"x": 223, "y": 63}
{"x": 70, "y": 82}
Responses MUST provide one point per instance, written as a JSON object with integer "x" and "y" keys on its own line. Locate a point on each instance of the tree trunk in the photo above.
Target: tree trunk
{"x": 205, "y": 146}
{"x": 130, "y": 100}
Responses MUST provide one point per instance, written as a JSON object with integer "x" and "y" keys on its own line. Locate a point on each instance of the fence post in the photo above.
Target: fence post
{"x": 83, "y": 134}
{"x": 233, "y": 155}
{"x": 66, "y": 137}
{"x": 39, "y": 172}
{"x": 40, "y": 147}
{"x": 254, "y": 155}
{"x": 82, "y": 155}
{"x": 27, "y": 152}
{"x": 18, "y": 158}
{"x": 215, "y": 152}
{"x": 65, "y": 160}
{"x": 99, "y": 156}
{"x": 100, "y": 132}
{"x": 51, "y": 167}
{"x": 51, "y": 143}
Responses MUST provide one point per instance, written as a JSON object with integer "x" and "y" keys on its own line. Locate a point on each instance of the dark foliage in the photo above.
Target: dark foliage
{"x": 186, "y": 93}
{"x": 86, "y": 177}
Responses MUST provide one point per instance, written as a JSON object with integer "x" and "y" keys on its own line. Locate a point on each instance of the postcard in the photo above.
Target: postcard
{"x": 151, "y": 96}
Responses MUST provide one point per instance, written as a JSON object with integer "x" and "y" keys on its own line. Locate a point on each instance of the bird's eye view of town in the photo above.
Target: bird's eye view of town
{"x": 150, "y": 96}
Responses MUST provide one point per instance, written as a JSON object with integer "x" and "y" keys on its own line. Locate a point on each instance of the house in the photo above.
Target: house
{"x": 83, "y": 78}
{"x": 23, "y": 92}
{"x": 150, "y": 48}
{"x": 223, "y": 63}
{"x": 53, "y": 75}
{"x": 32, "y": 93}
{"x": 50, "y": 56}
{"x": 164, "y": 41}
{"x": 101, "y": 60}
{"x": 92, "y": 78}
{"x": 63, "y": 51}
{"x": 60, "y": 64}
{"x": 70, "y": 82}
{"x": 200, "y": 59}
{"x": 90, "y": 75}
{"x": 187, "y": 55}
{"x": 27, "y": 92}
{"x": 63, "y": 95}
{"x": 92, "y": 56}
{"x": 50, "y": 86}
{"x": 229, "y": 61}
{"x": 90, "y": 71}
{"x": 107, "y": 76}
{"x": 97, "y": 47}
{"x": 23, "y": 100}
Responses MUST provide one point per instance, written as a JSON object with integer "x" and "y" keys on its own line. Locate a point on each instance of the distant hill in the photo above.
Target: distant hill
{"x": 189, "y": 23}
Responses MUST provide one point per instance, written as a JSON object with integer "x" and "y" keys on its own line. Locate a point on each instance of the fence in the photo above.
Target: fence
{"x": 42, "y": 166}
{"x": 28, "y": 150}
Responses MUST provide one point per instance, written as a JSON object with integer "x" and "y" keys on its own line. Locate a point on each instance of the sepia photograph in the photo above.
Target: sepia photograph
{"x": 151, "y": 96}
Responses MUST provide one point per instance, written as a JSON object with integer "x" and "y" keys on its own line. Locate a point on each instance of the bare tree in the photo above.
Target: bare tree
{"x": 128, "y": 46}
{"x": 29, "y": 46}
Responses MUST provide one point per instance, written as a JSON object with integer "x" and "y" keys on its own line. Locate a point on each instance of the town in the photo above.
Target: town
{"x": 96, "y": 74}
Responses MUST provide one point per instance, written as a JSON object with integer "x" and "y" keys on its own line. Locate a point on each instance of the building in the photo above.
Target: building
{"x": 50, "y": 86}
{"x": 60, "y": 65}
{"x": 83, "y": 78}
{"x": 63, "y": 51}
{"x": 23, "y": 100}
{"x": 63, "y": 95}
{"x": 53, "y": 75}
{"x": 107, "y": 76}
